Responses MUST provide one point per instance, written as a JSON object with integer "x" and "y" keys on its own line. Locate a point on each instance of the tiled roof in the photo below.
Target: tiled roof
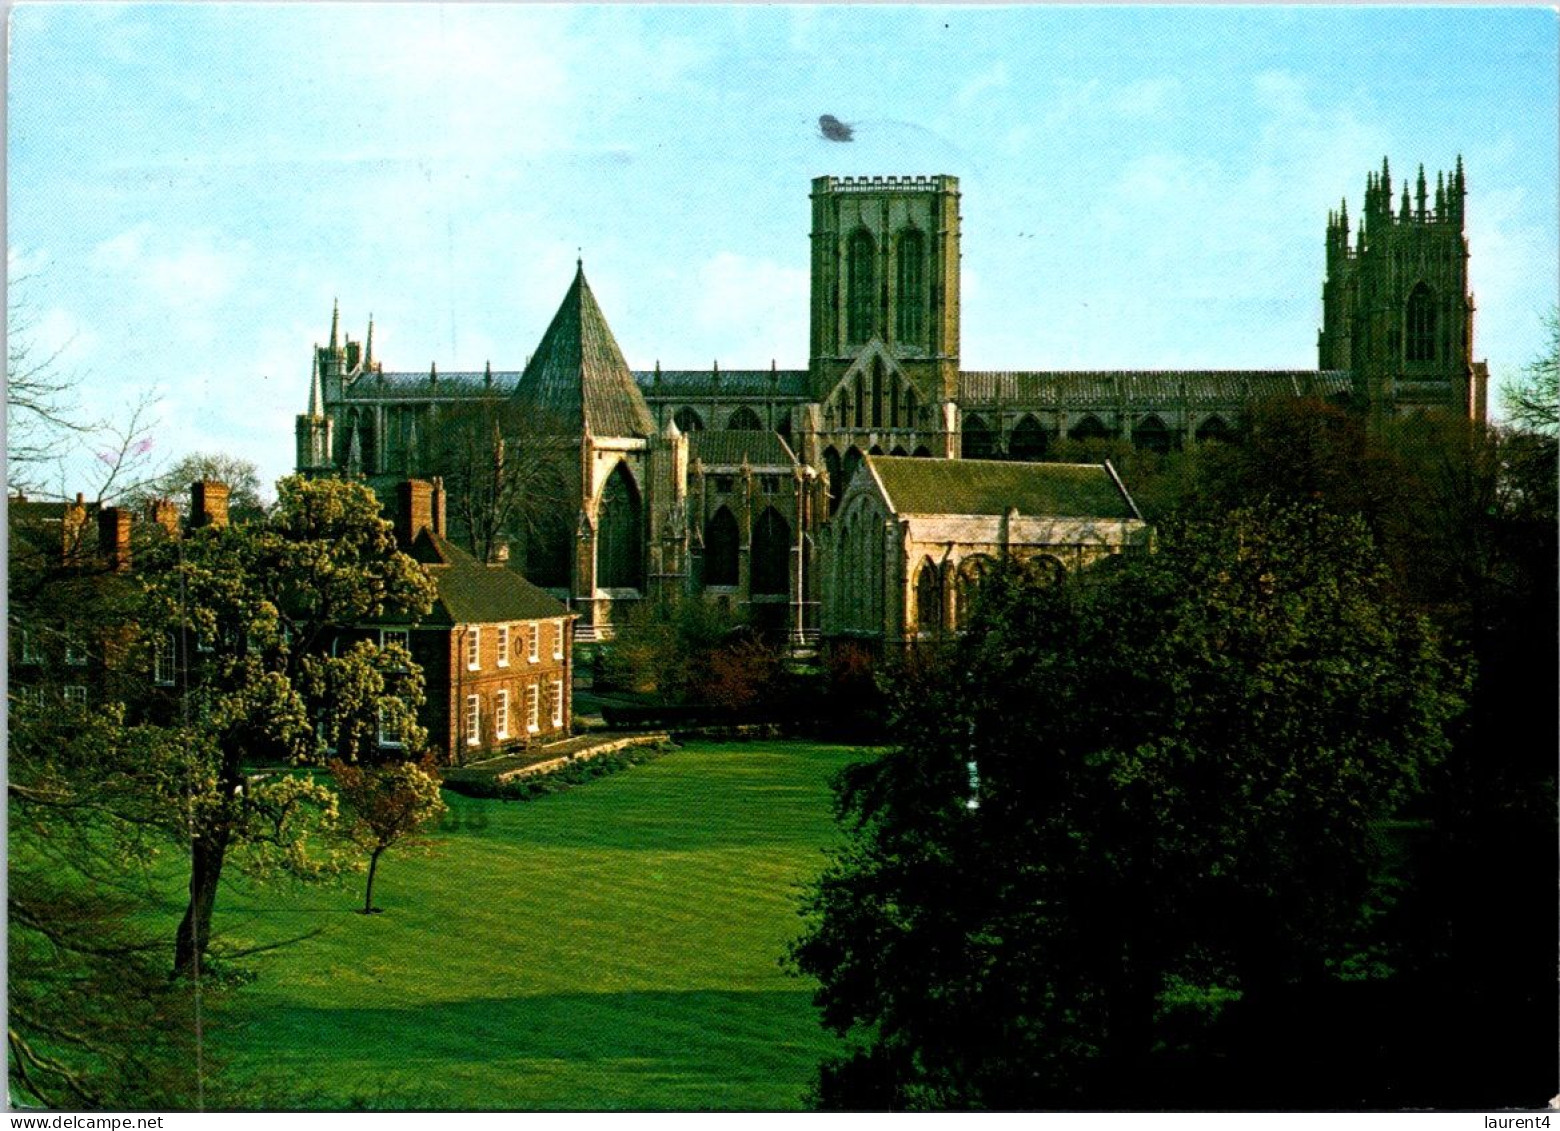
{"x": 991, "y": 487}
{"x": 687, "y": 383}
{"x": 424, "y": 386}
{"x": 473, "y": 593}
{"x": 577, "y": 379}
{"x": 1146, "y": 388}
{"x": 732, "y": 449}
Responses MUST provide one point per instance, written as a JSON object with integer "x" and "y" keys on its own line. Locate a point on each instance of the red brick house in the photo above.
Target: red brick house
{"x": 496, "y": 651}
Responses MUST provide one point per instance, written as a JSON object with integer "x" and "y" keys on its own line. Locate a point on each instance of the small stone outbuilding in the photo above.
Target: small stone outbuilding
{"x": 911, "y": 538}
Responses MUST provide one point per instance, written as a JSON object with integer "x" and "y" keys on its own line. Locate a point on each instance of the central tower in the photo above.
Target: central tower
{"x": 885, "y": 269}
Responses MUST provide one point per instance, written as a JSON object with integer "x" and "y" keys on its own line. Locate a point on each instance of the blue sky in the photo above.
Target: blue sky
{"x": 190, "y": 186}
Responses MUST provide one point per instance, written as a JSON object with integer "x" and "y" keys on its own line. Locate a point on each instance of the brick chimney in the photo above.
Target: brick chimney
{"x": 208, "y": 503}
{"x": 416, "y": 511}
{"x": 164, "y": 513}
{"x": 73, "y": 532}
{"x": 114, "y": 538}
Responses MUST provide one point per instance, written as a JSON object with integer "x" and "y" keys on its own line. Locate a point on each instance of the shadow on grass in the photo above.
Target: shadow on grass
{"x": 661, "y": 1049}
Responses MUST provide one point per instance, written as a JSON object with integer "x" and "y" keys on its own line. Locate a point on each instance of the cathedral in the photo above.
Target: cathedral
{"x": 780, "y": 494}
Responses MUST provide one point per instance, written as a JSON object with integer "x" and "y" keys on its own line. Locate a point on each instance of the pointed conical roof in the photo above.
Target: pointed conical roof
{"x": 577, "y": 378}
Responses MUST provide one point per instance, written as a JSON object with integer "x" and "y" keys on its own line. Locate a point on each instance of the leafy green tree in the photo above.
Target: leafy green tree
{"x": 1160, "y": 781}
{"x": 93, "y": 1020}
{"x": 387, "y": 805}
{"x": 246, "y": 499}
{"x": 254, "y": 606}
{"x": 1532, "y": 403}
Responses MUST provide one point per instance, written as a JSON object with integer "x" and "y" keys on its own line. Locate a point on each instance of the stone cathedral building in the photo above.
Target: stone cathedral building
{"x": 778, "y": 492}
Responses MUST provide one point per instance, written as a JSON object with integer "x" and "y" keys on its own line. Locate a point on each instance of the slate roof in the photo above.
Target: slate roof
{"x": 732, "y": 449}
{"x": 1146, "y": 388}
{"x": 990, "y": 487}
{"x": 577, "y": 379}
{"x": 423, "y": 386}
{"x": 472, "y": 593}
{"x": 686, "y": 383}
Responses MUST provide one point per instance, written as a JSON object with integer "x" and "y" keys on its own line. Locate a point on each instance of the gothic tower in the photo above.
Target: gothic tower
{"x": 314, "y": 431}
{"x": 1396, "y": 305}
{"x": 885, "y": 269}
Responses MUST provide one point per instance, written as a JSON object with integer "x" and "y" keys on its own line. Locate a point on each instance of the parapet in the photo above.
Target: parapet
{"x": 941, "y": 183}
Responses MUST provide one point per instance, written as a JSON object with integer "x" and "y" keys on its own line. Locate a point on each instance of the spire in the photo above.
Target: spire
{"x": 433, "y": 373}
{"x": 368, "y": 346}
{"x": 316, "y": 391}
{"x": 335, "y": 321}
{"x": 577, "y": 380}
{"x": 487, "y": 374}
{"x": 1406, "y": 212}
{"x": 1420, "y": 193}
{"x": 1440, "y": 195}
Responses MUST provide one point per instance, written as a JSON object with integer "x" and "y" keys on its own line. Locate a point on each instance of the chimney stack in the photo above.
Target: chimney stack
{"x": 208, "y": 503}
{"x": 73, "y": 532}
{"x": 416, "y": 510}
{"x": 114, "y": 537}
{"x": 164, "y": 513}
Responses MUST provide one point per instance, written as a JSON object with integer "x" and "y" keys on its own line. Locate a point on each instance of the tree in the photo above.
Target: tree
{"x": 246, "y": 500}
{"x": 1110, "y": 798}
{"x": 505, "y": 477}
{"x": 93, "y": 1019}
{"x": 387, "y": 805}
{"x": 1533, "y": 402}
{"x": 256, "y": 604}
{"x": 45, "y": 423}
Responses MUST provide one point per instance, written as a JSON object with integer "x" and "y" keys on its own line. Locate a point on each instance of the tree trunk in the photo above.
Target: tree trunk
{"x": 368, "y": 896}
{"x": 208, "y": 851}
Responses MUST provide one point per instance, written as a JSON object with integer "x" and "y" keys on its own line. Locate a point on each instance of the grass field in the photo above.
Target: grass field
{"x": 612, "y": 946}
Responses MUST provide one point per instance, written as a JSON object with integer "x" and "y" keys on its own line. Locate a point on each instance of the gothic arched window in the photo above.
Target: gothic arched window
{"x": 1213, "y": 430}
{"x": 1151, "y": 435}
{"x": 688, "y": 421}
{"x": 1421, "y": 324}
{"x": 877, "y": 392}
{"x": 852, "y": 462}
{"x": 1028, "y": 441}
{"x": 745, "y": 420}
{"x": 619, "y": 539}
{"x": 910, "y": 408}
{"x": 979, "y": 441}
{"x": 861, "y": 403}
{"x": 771, "y": 553}
{"x": 928, "y": 598}
{"x": 972, "y": 575}
{"x": 1089, "y": 428}
{"x": 720, "y": 548}
{"x": 831, "y": 464}
{"x": 910, "y": 324}
{"x": 862, "y": 281}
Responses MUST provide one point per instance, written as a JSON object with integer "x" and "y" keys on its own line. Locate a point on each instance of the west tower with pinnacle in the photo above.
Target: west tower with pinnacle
{"x": 1396, "y": 307}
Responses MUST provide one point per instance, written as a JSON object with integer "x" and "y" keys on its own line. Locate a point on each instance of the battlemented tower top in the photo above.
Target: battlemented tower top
{"x": 918, "y": 183}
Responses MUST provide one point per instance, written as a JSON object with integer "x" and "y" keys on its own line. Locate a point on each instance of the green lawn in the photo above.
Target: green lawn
{"x": 612, "y": 946}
